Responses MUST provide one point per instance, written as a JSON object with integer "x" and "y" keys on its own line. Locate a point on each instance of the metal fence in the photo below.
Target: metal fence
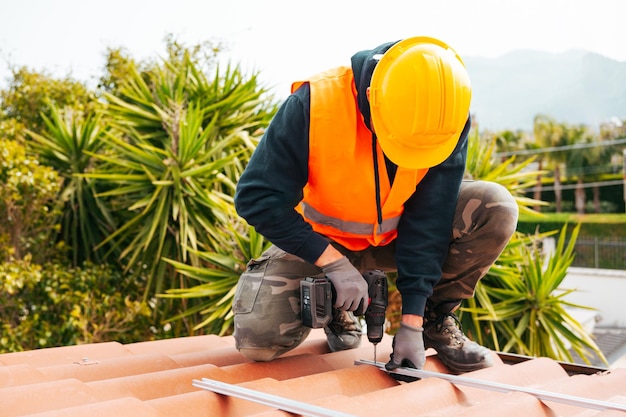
{"x": 600, "y": 252}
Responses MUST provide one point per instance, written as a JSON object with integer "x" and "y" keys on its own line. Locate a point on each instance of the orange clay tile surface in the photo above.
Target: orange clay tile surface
{"x": 156, "y": 379}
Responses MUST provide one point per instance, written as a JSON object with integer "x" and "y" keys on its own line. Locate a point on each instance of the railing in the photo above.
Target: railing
{"x": 600, "y": 252}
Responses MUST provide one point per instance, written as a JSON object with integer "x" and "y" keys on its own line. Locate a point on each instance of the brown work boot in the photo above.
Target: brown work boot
{"x": 343, "y": 332}
{"x": 442, "y": 332}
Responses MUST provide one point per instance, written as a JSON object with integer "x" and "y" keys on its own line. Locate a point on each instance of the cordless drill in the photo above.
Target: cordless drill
{"x": 317, "y": 297}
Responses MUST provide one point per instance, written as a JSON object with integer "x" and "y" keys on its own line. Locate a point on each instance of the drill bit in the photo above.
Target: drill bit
{"x": 377, "y": 306}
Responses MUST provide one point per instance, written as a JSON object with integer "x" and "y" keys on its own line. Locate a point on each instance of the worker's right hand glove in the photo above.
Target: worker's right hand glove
{"x": 349, "y": 284}
{"x": 408, "y": 348}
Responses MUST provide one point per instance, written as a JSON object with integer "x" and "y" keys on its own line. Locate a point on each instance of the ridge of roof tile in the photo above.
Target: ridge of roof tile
{"x": 23, "y": 374}
{"x": 108, "y": 368}
{"x": 122, "y": 407}
{"x": 181, "y": 344}
{"x": 32, "y": 398}
{"x": 154, "y": 379}
{"x": 65, "y": 354}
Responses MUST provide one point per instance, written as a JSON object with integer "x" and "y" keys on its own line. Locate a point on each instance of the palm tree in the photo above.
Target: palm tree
{"x": 511, "y": 174}
{"x": 579, "y": 160}
{"x": 509, "y": 141}
{"x": 587, "y": 162}
{"x": 607, "y": 154}
{"x": 549, "y": 134}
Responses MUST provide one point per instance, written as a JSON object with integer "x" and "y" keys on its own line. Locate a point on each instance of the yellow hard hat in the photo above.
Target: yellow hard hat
{"x": 420, "y": 97}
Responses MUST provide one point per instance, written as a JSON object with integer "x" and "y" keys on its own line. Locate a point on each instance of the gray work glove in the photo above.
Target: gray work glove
{"x": 349, "y": 284}
{"x": 408, "y": 348}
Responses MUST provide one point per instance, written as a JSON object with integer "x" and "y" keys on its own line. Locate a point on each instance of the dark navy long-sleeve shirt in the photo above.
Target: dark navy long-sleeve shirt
{"x": 272, "y": 186}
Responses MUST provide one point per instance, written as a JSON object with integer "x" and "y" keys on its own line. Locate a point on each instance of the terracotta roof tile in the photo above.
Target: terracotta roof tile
{"x": 155, "y": 379}
{"x": 15, "y": 375}
{"x": 123, "y": 407}
{"x": 181, "y": 345}
{"x": 53, "y": 395}
{"x": 64, "y": 355}
{"x": 94, "y": 370}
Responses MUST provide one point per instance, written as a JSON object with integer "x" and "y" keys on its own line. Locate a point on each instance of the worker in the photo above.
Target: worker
{"x": 362, "y": 168}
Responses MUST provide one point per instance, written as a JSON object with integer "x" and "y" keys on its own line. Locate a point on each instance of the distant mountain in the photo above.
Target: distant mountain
{"x": 575, "y": 87}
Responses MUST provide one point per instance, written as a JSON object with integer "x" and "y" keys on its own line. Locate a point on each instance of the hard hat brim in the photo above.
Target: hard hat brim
{"x": 416, "y": 158}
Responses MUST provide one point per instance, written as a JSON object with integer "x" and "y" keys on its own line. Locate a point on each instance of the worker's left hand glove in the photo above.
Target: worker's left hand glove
{"x": 408, "y": 348}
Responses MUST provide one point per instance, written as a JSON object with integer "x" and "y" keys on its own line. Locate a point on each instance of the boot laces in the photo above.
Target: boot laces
{"x": 342, "y": 323}
{"x": 450, "y": 327}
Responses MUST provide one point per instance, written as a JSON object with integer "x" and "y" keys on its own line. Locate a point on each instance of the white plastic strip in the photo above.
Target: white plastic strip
{"x": 275, "y": 401}
{"x": 495, "y": 386}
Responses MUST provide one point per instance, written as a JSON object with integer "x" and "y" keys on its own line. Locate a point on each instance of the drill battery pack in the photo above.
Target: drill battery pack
{"x": 316, "y": 302}
{"x": 317, "y": 296}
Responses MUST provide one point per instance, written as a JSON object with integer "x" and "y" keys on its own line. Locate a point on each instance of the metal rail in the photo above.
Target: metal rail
{"x": 495, "y": 386}
{"x": 281, "y": 403}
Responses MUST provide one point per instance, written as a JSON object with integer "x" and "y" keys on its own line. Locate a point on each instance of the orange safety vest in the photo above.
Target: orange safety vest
{"x": 340, "y": 195}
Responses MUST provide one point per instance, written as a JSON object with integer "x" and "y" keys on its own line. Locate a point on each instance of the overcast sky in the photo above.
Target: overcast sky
{"x": 289, "y": 39}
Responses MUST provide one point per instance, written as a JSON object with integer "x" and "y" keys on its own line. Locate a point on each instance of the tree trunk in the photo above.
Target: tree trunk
{"x": 580, "y": 197}
{"x": 537, "y": 193}
{"x": 596, "y": 199}
{"x": 558, "y": 195}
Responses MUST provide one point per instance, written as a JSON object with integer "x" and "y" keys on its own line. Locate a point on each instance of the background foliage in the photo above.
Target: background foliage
{"x": 120, "y": 223}
{"x": 518, "y": 306}
{"x": 176, "y": 147}
{"x": 134, "y": 178}
{"x": 28, "y": 193}
{"x": 52, "y": 305}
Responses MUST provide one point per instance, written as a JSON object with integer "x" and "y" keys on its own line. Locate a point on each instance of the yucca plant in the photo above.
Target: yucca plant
{"x": 217, "y": 279}
{"x": 67, "y": 145}
{"x": 481, "y": 165}
{"x": 171, "y": 167}
{"x": 520, "y": 306}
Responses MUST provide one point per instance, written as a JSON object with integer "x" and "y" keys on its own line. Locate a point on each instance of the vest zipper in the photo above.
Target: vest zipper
{"x": 379, "y": 211}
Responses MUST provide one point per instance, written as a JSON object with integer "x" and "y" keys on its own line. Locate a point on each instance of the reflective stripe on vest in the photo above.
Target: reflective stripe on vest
{"x": 347, "y": 226}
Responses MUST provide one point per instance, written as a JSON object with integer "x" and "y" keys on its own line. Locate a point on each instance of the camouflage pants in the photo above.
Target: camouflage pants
{"x": 267, "y": 299}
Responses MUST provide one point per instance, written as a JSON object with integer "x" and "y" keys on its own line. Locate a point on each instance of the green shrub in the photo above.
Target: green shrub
{"x": 601, "y": 225}
{"x": 28, "y": 194}
{"x": 53, "y": 305}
